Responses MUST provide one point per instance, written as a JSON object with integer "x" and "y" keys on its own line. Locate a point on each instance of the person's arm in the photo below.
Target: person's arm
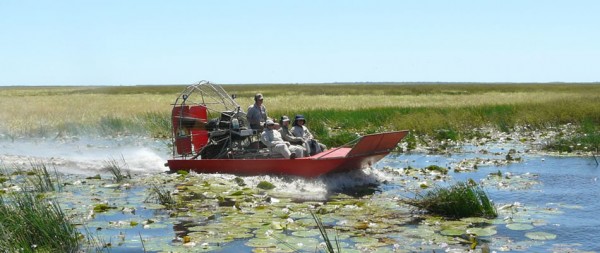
{"x": 286, "y": 136}
{"x": 265, "y": 139}
{"x": 307, "y": 134}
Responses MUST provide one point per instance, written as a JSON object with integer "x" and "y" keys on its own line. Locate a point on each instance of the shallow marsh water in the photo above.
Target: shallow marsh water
{"x": 545, "y": 203}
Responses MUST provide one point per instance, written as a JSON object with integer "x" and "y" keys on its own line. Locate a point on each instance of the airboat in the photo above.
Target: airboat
{"x": 210, "y": 134}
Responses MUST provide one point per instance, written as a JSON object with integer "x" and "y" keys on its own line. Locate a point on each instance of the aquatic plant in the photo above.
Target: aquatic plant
{"x": 265, "y": 185}
{"x": 324, "y": 234}
{"x": 157, "y": 124}
{"x": 162, "y": 196}
{"x": 40, "y": 179}
{"x": 463, "y": 199}
{"x": 31, "y": 223}
{"x": 116, "y": 169}
{"x": 437, "y": 169}
{"x": 586, "y": 139}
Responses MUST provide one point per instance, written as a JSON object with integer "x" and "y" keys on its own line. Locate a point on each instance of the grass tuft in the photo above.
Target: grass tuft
{"x": 457, "y": 201}
{"x": 116, "y": 169}
{"x": 162, "y": 196}
{"x": 31, "y": 223}
{"x": 40, "y": 179}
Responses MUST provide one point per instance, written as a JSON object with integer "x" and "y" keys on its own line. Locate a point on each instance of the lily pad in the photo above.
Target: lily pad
{"x": 307, "y": 233}
{"x": 486, "y": 231}
{"x": 541, "y": 236}
{"x": 265, "y": 185}
{"x": 519, "y": 226}
{"x": 452, "y": 231}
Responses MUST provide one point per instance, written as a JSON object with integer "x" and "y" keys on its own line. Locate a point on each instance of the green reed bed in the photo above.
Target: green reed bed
{"x": 40, "y": 179}
{"x": 457, "y": 201}
{"x": 161, "y": 195}
{"x": 336, "y": 127}
{"x": 32, "y": 223}
{"x": 30, "y": 220}
{"x": 118, "y": 169}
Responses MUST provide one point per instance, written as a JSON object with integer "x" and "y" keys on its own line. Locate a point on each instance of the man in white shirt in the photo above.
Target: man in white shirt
{"x": 272, "y": 139}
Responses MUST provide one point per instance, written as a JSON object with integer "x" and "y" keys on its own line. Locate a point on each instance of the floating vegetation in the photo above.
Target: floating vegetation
{"x": 265, "y": 185}
{"x": 457, "y": 201}
{"x": 511, "y": 181}
{"x": 436, "y": 168}
{"x": 100, "y": 208}
{"x": 95, "y": 177}
{"x": 519, "y": 226}
{"x": 540, "y": 236}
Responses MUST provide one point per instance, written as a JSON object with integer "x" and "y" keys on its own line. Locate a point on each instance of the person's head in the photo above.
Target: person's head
{"x": 299, "y": 120}
{"x": 285, "y": 121}
{"x": 258, "y": 98}
{"x": 269, "y": 124}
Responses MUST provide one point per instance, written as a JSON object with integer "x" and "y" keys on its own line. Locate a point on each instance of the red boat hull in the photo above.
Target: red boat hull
{"x": 366, "y": 152}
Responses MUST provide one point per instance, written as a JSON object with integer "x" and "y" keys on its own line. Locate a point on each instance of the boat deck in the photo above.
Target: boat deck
{"x": 332, "y": 153}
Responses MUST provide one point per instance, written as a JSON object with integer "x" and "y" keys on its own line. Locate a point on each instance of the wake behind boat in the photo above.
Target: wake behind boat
{"x": 226, "y": 144}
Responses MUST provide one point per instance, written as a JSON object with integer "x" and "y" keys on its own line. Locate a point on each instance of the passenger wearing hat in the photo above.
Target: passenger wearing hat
{"x": 300, "y": 130}
{"x": 287, "y": 135}
{"x": 272, "y": 139}
{"x": 257, "y": 113}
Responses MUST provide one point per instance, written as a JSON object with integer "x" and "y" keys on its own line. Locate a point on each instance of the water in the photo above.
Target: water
{"x": 555, "y": 195}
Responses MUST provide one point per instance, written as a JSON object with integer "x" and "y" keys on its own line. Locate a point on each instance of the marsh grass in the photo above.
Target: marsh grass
{"x": 161, "y": 196}
{"x": 118, "y": 169}
{"x": 586, "y": 139}
{"x": 324, "y": 234}
{"x": 335, "y": 112}
{"x": 41, "y": 180}
{"x": 156, "y": 124}
{"x": 30, "y": 223}
{"x": 457, "y": 201}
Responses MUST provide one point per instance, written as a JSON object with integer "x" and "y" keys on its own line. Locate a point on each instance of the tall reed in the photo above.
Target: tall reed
{"x": 41, "y": 180}
{"x": 31, "y": 223}
{"x": 161, "y": 196}
{"x": 457, "y": 201}
{"x": 117, "y": 169}
{"x": 324, "y": 234}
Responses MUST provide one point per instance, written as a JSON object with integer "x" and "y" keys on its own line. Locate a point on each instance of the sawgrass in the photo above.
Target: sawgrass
{"x": 30, "y": 220}
{"x": 118, "y": 169}
{"x": 29, "y": 223}
{"x": 463, "y": 199}
{"x": 336, "y": 113}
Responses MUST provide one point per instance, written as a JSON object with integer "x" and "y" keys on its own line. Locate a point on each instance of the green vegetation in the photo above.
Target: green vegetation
{"x": 336, "y": 113}
{"x": 30, "y": 221}
{"x": 265, "y": 185}
{"x": 116, "y": 169}
{"x": 586, "y": 139}
{"x": 40, "y": 179}
{"x": 162, "y": 196}
{"x": 324, "y": 234}
{"x": 457, "y": 201}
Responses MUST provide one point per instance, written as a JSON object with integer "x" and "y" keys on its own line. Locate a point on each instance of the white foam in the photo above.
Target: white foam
{"x": 85, "y": 155}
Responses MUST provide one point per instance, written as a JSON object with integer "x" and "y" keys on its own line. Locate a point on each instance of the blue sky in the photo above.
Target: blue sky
{"x": 181, "y": 42}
